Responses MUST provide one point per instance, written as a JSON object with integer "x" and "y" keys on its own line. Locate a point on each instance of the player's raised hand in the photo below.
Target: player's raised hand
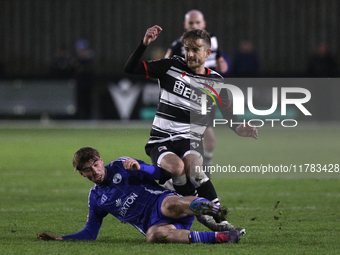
{"x": 47, "y": 237}
{"x": 131, "y": 164}
{"x": 151, "y": 34}
{"x": 247, "y": 131}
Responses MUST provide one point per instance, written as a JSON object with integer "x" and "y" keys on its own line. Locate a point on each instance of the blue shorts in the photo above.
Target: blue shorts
{"x": 157, "y": 217}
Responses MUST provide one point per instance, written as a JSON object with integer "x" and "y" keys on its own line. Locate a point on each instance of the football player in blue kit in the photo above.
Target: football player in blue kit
{"x": 126, "y": 188}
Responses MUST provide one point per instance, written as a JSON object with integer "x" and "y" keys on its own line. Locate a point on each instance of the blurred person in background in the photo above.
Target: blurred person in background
{"x": 246, "y": 61}
{"x": 85, "y": 78}
{"x": 63, "y": 64}
{"x": 157, "y": 53}
{"x": 194, "y": 19}
{"x": 321, "y": 63}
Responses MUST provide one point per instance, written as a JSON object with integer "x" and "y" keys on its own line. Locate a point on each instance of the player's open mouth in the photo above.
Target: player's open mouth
{"x": 99, "y": 178}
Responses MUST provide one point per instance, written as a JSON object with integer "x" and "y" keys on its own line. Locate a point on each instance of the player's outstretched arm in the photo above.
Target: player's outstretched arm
{"x": 90, "y": 232}
{"x": 151, "y": 34}
{"x": 134, "y": 65}
{"x": 247, "y": 131}
{"x": 48, "y": 237}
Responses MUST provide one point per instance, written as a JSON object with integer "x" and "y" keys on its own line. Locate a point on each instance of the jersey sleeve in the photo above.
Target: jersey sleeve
{"x": 134, "y": 65}
{"x": 157, "y": 68}
{"x": 92, "y": 226}
{"x": 151, "y": 69}
{"x": 226, "y": 107}
{"x": 151, "y": 171}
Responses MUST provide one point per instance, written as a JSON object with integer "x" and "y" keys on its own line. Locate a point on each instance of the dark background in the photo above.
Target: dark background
{"x": 284, "y": 32}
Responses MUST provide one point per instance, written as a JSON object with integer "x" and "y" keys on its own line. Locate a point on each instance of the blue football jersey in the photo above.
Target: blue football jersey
{"x": 127, "y": 195}
{"x": 130, "y": 196}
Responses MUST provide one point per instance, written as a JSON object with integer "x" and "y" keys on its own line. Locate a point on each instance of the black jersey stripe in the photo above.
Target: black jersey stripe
{"x": 178, "y": 113}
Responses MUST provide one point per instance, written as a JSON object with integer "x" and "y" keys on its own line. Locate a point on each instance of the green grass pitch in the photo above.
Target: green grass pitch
{"x": 293, "y": 214}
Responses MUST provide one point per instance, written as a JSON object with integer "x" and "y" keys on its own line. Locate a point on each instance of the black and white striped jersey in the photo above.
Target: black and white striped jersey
{"x": 177, "y": 48}
{"x": 179, "y": 113}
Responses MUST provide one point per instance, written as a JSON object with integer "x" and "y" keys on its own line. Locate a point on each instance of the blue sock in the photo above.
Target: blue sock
{"x": 202, "y": 237}
{"x": 193, "y": 204}
{"x": 201, "y": 198}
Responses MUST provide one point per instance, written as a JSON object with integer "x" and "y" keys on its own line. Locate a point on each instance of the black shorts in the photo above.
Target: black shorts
{"x": 157, "y": 151}
{"x": 181, "y": 148}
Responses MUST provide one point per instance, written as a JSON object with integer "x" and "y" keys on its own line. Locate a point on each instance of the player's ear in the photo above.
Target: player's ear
{"x": 204, "y": 24}
{"x": 207, "y": 53}
{"x": 81, "y": 173}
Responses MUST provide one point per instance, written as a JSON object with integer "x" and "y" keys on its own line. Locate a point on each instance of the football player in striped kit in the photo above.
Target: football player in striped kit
{"x": 175, "y": 142}
{"x": 194, "y": 19}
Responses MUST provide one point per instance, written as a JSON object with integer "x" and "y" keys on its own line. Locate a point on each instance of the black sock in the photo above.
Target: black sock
{"x": 208, "y": 191}
{"x": 187, "y": 189}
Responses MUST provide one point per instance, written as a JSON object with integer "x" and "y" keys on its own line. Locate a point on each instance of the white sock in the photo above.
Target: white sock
{"x": 179, "y": 180}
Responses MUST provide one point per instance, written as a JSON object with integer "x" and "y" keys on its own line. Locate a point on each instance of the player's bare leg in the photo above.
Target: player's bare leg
{"x": 175, "y": 165}
{"x": 177, "y": 207}
{"x": 167, "y": 233}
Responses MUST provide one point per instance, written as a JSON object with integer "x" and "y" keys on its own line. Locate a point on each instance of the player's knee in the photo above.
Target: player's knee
{"x": 195, "y": 165}
{"x": 154, "y": 236}
{"x": 178, "y": 169}
{"x": 150, "y": 237}
{"x": 175, "y": 167}
{"x": 171, "y": 203}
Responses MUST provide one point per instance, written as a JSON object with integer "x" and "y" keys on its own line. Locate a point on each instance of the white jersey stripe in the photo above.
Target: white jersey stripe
{"x": 178, "y": 114}
{"x": 175, "y": 100}
{"x": 170, "y": 125}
